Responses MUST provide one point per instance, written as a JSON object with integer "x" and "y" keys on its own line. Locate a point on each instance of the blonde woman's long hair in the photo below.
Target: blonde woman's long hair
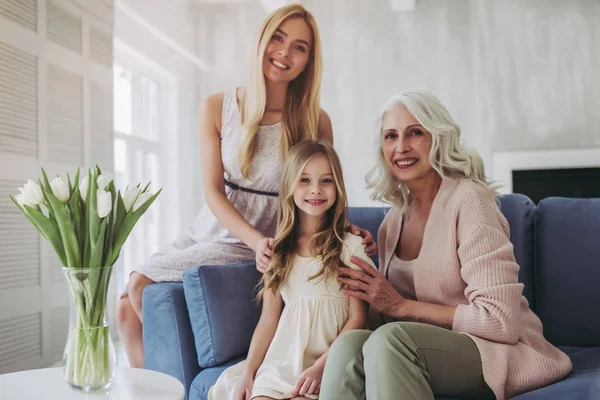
{"x": 303, "y": 103}
{"x": 328, "y": 242}
{"x": 448, "y": 157}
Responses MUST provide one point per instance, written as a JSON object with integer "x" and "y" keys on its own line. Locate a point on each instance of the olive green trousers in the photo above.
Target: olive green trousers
{"x": 403, "y": 361}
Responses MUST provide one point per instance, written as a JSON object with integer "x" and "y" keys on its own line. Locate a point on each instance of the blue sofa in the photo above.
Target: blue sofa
{"x": 195, "y": 329}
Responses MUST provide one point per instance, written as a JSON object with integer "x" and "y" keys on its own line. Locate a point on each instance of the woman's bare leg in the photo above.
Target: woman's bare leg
{"x": 130, "y": 327}
{"x": 137, "y": 284}
{"x": 129, "y": 316}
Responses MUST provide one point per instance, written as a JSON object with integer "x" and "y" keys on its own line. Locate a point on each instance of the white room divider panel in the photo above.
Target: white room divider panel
{"x": 55, "y": 112}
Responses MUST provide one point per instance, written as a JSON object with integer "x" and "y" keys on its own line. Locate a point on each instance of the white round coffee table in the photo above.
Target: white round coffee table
{"x": 128, "y": 384}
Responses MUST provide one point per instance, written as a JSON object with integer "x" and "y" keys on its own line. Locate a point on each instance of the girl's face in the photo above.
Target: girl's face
{"x": 405, "y": 145}
{"x": 288, "y": 50}
{"x": 316, "y": 190}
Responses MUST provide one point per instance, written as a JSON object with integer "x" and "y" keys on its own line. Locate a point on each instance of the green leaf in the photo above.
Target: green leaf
{"x": 97, "y": 247}
{"x": 52, "y": 233}
{"x": 119, "y": 216}
{"x": 46, "y": 228}
{"x": 76, "y": 179}
{"x": 70, "y": 185}
{"x": 46, "y": 181}
{"x": 130, "y": 220}
{"x": 92, "y": 208}
{"x": 24, "y": 212}
{"x": 78, "y": 221}
{"x": 110, "y": 221}
{"x": 46, "y": 200}
{"x": 86, "y": 254}
{"x": 65, "y": 227}
{"x": 145, "y": 187}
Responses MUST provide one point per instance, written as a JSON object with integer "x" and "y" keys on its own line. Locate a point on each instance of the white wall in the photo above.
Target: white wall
{"x": 172, "y": 20}
{"x": 225, "y": 33}
{"x": 371, "y": 53}
{"x": 537, "y": 70}
{"x": 55, "y": 113}
{"x": 513, "y": 73}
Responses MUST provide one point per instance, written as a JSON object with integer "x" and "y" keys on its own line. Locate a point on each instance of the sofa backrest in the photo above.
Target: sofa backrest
{"x": 567, "y": 270}
{"x": 519, "y": 211}
{"x": 368, "y": 218}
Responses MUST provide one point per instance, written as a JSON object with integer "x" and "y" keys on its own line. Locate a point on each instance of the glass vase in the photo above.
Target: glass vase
{"x": 89, "y": 357}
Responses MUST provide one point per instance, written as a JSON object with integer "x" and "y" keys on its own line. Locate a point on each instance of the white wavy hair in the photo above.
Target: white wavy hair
{"x": 448, "y": 157}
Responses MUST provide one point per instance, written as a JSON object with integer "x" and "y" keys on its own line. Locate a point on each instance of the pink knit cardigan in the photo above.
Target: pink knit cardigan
{"x": 467, "y": 261}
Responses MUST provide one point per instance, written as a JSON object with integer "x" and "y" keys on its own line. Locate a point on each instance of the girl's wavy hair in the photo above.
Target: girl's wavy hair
{"x": 448, "y": 157}
{"x": 328, "y": 242}
{"x": 303, "y": 101}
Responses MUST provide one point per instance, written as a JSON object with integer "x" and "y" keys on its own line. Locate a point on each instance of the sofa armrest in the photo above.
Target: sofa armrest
{"x": 168, "y": 339}
{"x": 223, "y": 309}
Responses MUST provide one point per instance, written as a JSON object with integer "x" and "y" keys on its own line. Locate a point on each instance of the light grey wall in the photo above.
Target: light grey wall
{"x": 370, "y": 53}
{"x": 225, "y": 33}
{"x": 176, "y": 21}
{"x": 514, "y": 73}
{"x": 537, "y": 73}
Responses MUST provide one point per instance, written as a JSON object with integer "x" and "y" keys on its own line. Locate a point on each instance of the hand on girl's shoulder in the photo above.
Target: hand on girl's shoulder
{"x": 353, "y": 247}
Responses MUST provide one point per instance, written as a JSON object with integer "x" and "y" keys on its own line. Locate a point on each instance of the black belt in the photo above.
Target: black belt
{"x": 243, "y": 189}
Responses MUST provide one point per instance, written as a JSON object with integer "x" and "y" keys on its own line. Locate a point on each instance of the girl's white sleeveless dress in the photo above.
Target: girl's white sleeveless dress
{"x": 206, "y": 241}
{"x": 314, "y": 314}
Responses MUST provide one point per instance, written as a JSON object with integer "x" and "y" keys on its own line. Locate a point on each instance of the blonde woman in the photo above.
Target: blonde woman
{"x": 245, "y": 135}
{"x": 458, "y": 323}
{"x": 303, "y": 309}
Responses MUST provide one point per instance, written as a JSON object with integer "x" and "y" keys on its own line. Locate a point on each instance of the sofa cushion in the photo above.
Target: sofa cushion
{"x": 221, "y": 300}
{"x": 519, "y": 211}
{"x": 582, "y": 384}
{"x": 206, "y": 378}
{"x": 567, "y": 270}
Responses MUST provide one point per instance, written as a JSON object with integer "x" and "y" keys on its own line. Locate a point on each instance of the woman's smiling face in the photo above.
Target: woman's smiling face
{"x": 288, "y": 51}
{"x": 405, "y": 145}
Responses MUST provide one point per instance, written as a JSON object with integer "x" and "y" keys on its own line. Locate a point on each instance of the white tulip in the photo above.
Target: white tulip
{"x": 102, "y": 181}
{"x": 31, "y": 194}
{"x": 130, "y": 196}
{"x": 22, "y": 200}
{"x": 142, "y": 198}
{"x": 60, "y": 189}
{"x": 83, "y": 188}
{"x": 104, "y": 203}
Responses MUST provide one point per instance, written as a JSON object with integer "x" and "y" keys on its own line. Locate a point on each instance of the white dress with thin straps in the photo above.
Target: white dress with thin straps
{"x": 206, "y": 241}
{"x": 315, "y": 312}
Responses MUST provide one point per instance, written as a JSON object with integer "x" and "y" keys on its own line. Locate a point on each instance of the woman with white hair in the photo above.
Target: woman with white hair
{"x": 447, "y": 310}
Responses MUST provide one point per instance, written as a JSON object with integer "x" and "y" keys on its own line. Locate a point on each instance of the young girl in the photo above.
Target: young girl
{"x": 245, "y": 135}
{"x": 289, "y": 349}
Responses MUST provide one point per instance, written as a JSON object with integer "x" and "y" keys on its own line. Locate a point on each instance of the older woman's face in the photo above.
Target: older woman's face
{"x": 405, "y": 145}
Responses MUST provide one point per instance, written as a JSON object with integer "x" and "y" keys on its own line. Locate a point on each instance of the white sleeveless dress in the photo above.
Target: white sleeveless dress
{"x": 206, "y": 241}
{"x": 314, "y": 314}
